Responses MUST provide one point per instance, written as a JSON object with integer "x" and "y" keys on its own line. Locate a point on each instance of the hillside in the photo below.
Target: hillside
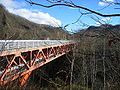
{"x": 16, "y": 27}
{"x": 98, "y": 57}
{"x": 108, "y": 31}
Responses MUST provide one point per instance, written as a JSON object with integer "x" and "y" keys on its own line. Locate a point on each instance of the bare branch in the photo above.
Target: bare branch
{"x": 73, "y": 6}
{"x": 73, "y": 22}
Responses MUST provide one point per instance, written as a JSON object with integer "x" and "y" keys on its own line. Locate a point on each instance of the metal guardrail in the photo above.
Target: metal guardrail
{"x": 8, "y": 45}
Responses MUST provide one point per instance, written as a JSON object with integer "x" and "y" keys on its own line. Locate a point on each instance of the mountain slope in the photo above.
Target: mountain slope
{"x": 105, "y": 30}
{"x": 16, "y": 27}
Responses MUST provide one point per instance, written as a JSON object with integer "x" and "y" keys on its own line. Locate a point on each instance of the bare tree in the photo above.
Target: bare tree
{"x": 70, "y": 3}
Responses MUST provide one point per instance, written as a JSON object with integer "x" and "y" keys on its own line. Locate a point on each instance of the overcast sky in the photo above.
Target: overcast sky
{"x": 60, "y": 16}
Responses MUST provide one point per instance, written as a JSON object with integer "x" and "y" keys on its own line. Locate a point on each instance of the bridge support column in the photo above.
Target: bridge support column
{"x": 25, "y": 78}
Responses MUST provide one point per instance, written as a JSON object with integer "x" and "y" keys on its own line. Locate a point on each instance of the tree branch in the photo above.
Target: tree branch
{"x": 73, "y": 6}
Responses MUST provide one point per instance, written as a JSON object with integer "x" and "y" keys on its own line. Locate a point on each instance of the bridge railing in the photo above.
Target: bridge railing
{"x": 8, "y": 45}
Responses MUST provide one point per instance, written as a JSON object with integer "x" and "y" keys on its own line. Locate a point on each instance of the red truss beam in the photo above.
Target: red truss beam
{"x": 21, "y": 63}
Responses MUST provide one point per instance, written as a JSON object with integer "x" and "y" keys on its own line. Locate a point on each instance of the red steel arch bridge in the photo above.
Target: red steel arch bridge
{"x": 18, "y": 58}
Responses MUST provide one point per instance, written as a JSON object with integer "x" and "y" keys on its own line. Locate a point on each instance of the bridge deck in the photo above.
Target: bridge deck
{"x": 21, "y": 57}
{"x": 16, "y": 45}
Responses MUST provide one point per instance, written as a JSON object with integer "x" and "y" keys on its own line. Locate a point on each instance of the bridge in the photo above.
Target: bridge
{"x": 18, "y": 58}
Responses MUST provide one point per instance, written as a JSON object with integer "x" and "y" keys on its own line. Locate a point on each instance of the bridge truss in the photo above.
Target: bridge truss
{"x": 19, "y": 58}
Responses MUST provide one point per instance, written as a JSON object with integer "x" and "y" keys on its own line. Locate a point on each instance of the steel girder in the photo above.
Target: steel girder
{"x": 21, "y": 63}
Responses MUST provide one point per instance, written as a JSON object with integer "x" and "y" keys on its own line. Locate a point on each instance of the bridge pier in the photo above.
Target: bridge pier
{"x": 24, "y": 78}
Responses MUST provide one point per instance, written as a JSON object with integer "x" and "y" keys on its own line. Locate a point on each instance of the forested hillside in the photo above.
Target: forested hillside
{"x": 98, "y": 57}
{"x": 16, "y": 27}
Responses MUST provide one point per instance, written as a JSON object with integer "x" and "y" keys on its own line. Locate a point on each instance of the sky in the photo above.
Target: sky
{"x": 61, "y": 15}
